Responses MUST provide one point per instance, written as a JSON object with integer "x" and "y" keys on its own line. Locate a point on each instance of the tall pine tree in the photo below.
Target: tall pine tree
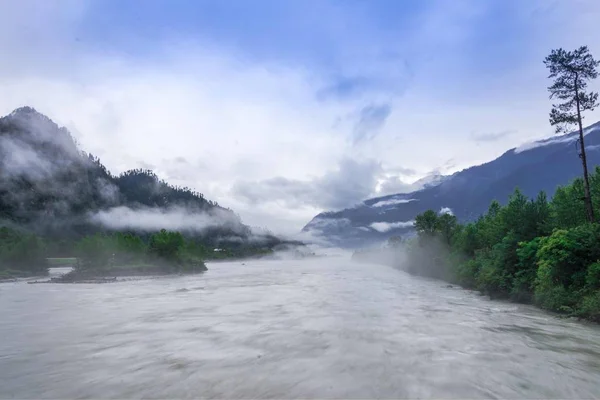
{"x": 571, "y": 71}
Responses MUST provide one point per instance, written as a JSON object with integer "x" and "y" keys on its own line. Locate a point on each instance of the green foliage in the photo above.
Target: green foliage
{"x": 95, "y": 252}
{"x": 592, "y": 279}
{"x": 446, "y": 226}
{"x": 526, "y": 271}
{"x": 426, "y": 223}
{"x": 498, "y": 267}
{"x": 431, "y": 257}
{"x": 466, "y": 272}
{"x": 102, "y": 251}
{"x": 564, "y": 256}
{"x": 115, "y": 253}
{"x": 590, "y": 307}
{"x": 22, "y": 254}
{"x": 567, "y": 209}
{"x": 571, "y": 71}
{"x": 527, "y": 250}
{"x": 167, "y": 246}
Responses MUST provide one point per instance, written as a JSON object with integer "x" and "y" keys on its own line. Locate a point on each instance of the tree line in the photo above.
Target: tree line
{"x": 529, "y": 250}
{"x": 117, "y": 253}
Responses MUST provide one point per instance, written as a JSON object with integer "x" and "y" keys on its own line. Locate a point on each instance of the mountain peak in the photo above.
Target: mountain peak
{"x": 28, "y": 117}
{"x": 23, "y": 111}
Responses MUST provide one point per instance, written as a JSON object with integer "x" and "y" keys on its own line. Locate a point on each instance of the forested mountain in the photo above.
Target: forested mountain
{"x": 539, "y": 166}
{"x": 49, "y": 186}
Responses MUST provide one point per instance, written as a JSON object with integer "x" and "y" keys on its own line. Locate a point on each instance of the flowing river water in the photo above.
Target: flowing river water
{"x": 325, "y": 328}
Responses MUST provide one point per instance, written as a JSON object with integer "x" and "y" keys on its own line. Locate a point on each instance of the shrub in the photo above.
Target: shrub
{"x": 167, "y": 246}
{"x": 95, "y": 252}
{"x": 590, "y": 306}
{"x": 524, "y": 279}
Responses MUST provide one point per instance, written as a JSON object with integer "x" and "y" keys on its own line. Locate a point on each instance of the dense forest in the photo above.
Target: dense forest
{"x": 50, "y": 190}
{"x": 529, "y": 250}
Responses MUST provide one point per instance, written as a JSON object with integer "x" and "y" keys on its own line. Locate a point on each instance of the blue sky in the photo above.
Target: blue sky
{"x": 281, "y": 109}
{"x": 354, "y": 45}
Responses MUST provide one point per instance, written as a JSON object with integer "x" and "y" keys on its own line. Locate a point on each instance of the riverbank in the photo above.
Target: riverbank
{"x": 8, "y": 275}
{"x": 144, "y": 269}
{"x": 394, "y": 259}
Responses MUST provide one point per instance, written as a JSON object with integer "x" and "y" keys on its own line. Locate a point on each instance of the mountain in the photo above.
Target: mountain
{"x": 49, "y": 186}
{"x": 533, "y": 167}
{"x": 429, "y": 180}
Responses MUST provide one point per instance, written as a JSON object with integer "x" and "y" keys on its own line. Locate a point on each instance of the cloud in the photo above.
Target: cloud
{"x": 446, "y": 210}
{"x": 322, "y": 228}
{"x": 395, "y": 184}
{"x": 592, "y": 147}
{"x": 534, "y": 145}
{"x": 392, "y": 202}
{"x": 20, "y": 159}
{"x": 345, "y": 87}
{"x": 151, "y": 219}
{"x": 370, "y": 121}
{"x": 349, "y": 184}
{"x": 388, "y": 226}
{"x": 402, "y": 171}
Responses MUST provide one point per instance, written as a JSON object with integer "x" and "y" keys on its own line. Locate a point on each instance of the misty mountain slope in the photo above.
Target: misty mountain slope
{"x": 533, "y": 167}
{"x": 48, "y": 185}
{"x": 42, "y": 172}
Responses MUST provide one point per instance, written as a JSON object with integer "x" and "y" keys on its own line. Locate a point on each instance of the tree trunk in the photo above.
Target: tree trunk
{"x": 586, "y": 181}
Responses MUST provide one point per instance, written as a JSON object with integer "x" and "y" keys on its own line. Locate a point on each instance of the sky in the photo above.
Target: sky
{"x": 280, "y": 109}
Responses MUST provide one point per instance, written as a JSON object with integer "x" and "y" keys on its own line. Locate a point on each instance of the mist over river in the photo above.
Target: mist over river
{"x": 326, "y": 328}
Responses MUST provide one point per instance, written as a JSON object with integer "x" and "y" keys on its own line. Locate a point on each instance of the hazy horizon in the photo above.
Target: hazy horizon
{"x": 281, "y": 110}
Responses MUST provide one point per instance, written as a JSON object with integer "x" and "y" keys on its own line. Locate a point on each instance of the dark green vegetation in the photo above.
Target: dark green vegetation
{"x": 57, "y": 202}
{"x": 111, "y": 254}
{"x": 21, "y": 254}
{"x": 529, "y": 250}
{"x": 126, "y": 254}
{"x": 25, "y": 254}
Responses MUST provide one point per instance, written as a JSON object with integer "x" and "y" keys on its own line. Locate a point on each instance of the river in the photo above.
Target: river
{"x": 326, "y": 328}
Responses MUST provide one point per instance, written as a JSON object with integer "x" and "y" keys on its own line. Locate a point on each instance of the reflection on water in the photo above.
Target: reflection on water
{"x": 286, "y": 329}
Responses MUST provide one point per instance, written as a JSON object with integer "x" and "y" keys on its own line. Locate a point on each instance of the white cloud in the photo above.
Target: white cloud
{"x": 446, "y": 210}
{"x": 593, "y": 147}
{"x": 542, "y": 143}
{"x": 572, "y": 137}
{"x": 392, "y": 202}
{"x": 148, "y": 219}
{"x": 387, "y": 226}
{"x": 345, "y": 186}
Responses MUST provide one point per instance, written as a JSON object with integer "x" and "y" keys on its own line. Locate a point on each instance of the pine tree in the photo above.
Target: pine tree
{"x": 571, "y": 71}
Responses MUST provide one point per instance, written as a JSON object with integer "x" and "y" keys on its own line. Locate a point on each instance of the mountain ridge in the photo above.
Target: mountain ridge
{"x": 50, "y": 186}
{"x": 535, "y": 166}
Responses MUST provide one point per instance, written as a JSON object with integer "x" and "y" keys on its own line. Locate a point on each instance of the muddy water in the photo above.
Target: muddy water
{"x": 286, "y": 329}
